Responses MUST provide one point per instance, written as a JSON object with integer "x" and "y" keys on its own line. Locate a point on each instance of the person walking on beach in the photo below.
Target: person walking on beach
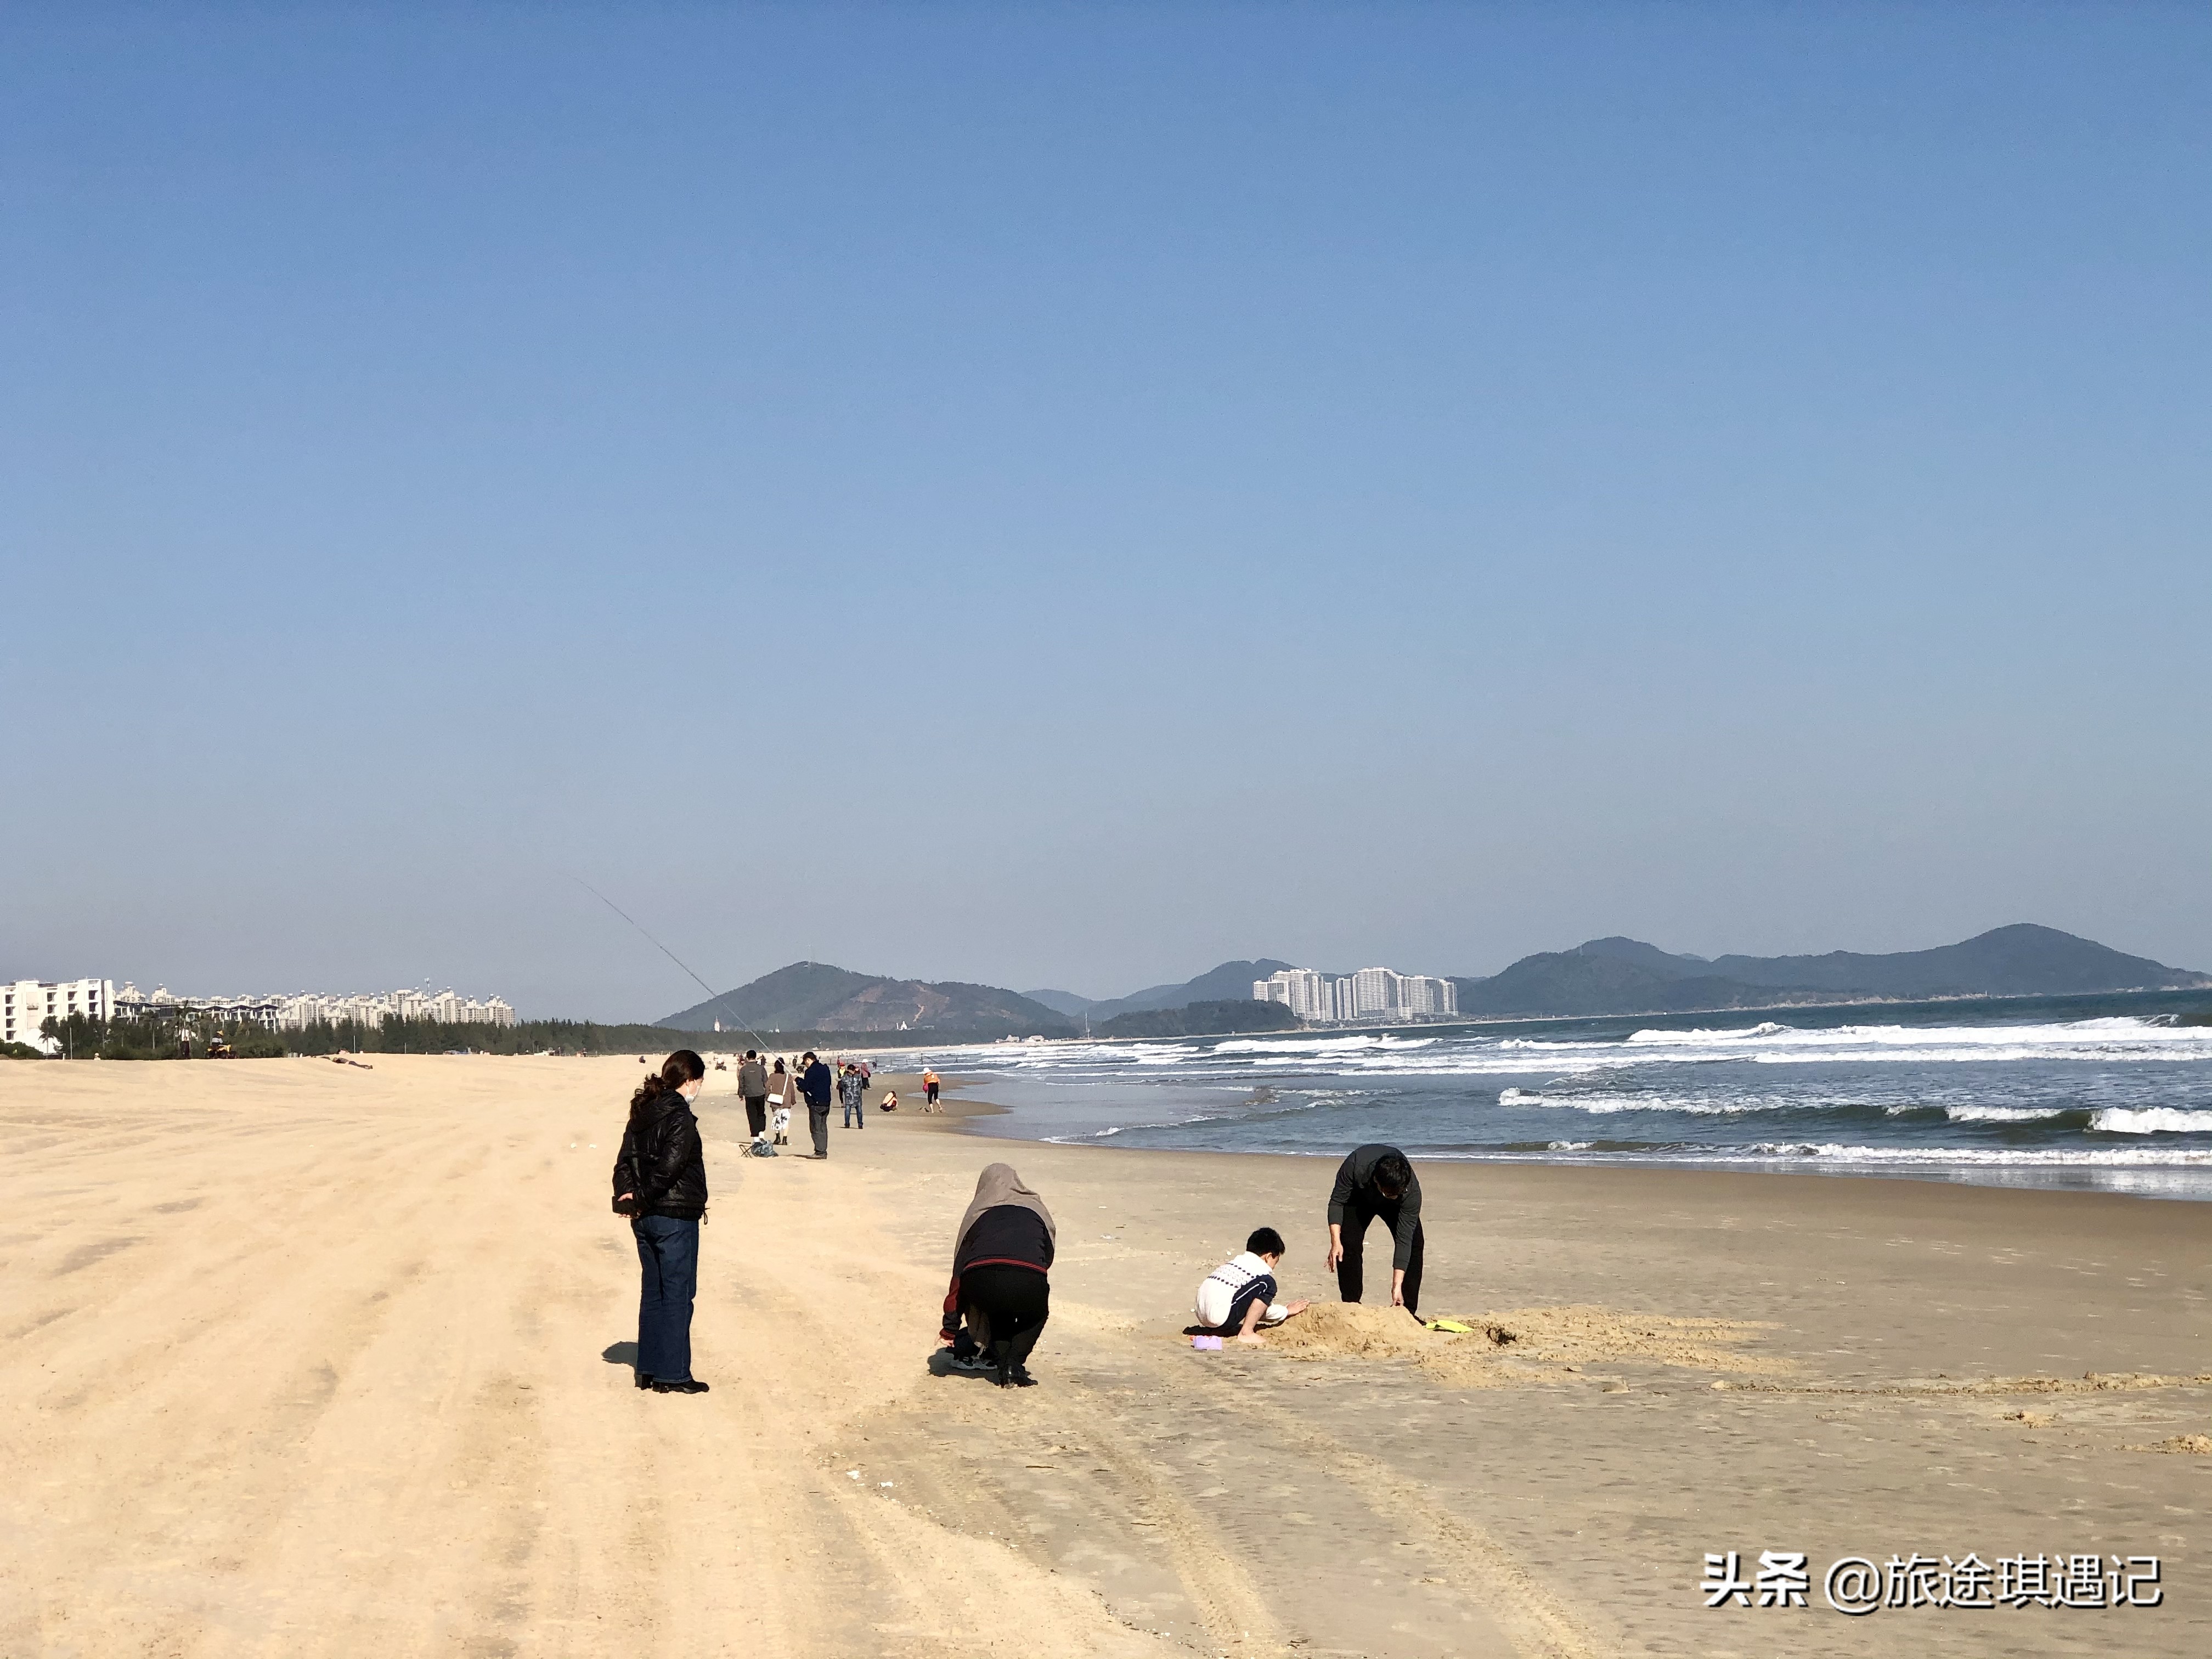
{"x": 1002, "y": 1291}
{"x": 752, "y": 1084}
{"x": 660, "y": 1184}
{"x": 779, "y": 1101}
{"x": 814, "y": 1083}
{"x": 853, "y": 1093}
{"x": 929, "y": 1092}
{"x": 1377, "y": 1181}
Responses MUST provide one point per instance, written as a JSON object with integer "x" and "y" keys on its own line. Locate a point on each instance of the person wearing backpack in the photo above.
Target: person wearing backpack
{"x": 660, "y": 1184}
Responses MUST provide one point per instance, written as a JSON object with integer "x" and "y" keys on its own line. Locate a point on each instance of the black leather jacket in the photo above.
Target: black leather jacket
{"x": 662, "y": 1159}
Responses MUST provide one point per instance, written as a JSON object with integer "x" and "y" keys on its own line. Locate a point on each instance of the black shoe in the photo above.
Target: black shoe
{"x": 1021, "y": 1379}
{"x": 689, "y": 1385}
{"x": 644, "y": 1379}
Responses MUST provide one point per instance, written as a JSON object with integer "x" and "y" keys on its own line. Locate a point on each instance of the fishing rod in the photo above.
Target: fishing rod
{"x": 711, "y": 992}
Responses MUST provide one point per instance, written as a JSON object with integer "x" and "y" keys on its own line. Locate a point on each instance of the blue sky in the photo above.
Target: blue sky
{"x": 1064, "y": 496}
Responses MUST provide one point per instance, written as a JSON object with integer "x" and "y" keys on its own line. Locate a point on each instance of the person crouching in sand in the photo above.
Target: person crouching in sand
{"x": 660, "y": 1183}
{"x": 1237, "y": 1298}
{"x": 1001, "y": 1261}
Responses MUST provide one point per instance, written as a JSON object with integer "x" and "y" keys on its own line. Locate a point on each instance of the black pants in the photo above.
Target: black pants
{"x": 756, "y": 1114}
{"x": 818, "y": 1124}
{"x": 1350, "y": 1279}
{"x": 1005, "y": 1304}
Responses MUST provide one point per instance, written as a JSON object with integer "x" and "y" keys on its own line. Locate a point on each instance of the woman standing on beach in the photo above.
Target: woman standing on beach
{"x": 778, "y": 1101}
{"x": 1001, "y": 1261}
{"x": 660, "y": 1183}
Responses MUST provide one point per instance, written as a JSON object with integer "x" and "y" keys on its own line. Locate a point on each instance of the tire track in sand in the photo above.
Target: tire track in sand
{"x": 1537, "y": 1622}
{"x": 1227, "y": 1602}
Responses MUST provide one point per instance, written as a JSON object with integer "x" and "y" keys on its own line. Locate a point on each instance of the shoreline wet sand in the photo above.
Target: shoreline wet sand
{"x": 311, "y": 1359}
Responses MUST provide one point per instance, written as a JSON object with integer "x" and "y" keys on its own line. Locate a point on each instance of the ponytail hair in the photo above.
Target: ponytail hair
{"x": 679, "y": 1068}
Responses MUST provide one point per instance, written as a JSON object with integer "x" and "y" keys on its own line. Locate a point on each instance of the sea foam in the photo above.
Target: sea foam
{"x": 2151, "y": 1121}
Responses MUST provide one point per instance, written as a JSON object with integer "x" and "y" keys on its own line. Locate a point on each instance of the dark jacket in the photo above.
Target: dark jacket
{"x": 814, "y": 1083}
{"x": 662, "y": 1159}
{"x": 752, "y": 1080}
{"x": 1004, "y": 1236}
{"x": 1355, "y": 1184}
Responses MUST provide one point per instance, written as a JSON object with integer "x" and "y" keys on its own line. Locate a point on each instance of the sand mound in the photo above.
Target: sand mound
{"x": 2199, "y": 1444}
{"x": 1354, "y": 1330}
{"x": 1526, "y": 1345}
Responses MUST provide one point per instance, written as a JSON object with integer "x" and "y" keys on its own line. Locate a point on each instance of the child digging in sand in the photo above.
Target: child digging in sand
{"x": 1238, "y": 1297}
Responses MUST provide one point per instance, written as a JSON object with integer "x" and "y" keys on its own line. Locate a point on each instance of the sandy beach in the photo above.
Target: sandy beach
{"x": 307, "y": 1358}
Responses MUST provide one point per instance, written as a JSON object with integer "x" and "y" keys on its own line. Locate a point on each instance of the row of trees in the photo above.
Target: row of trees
{"x": 81, "y": 1038}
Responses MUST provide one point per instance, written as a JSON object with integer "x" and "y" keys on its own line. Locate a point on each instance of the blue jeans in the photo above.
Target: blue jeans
{"x": 856, "y": 1112}
{"x": 668, "y": 1255}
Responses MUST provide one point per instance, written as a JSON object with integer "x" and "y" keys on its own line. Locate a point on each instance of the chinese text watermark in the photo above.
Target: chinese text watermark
{"x": 1856, "y": 1585}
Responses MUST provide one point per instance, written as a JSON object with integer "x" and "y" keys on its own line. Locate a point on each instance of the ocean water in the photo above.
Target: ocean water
{"x": 2095, "y": 1093}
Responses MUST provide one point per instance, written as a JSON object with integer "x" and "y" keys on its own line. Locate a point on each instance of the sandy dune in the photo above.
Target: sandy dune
{"x": 304, "y": 1358}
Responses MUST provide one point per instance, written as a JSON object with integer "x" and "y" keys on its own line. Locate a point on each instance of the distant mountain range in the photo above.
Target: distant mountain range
{"x": 1229, "y": 982}
{"x": 1627, "y": 976}
{"x": 813, "y": 996}
{"x": 1601, "y": 976}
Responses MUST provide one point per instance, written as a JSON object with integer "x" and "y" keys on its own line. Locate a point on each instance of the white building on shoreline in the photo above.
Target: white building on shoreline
{"x": 1370, "y": 994}
{"x": 27, "y": 1003}
{"x": 295, "y": 1013}
{"x": 444, "y": 1007}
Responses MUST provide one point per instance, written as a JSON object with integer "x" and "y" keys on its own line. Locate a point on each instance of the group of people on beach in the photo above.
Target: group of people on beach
{"x": 999, "y": 1297}
{"x": 772, "y": 1091}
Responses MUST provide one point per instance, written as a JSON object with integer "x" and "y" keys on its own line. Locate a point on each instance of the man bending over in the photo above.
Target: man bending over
{"x": 1377, "y": 1181}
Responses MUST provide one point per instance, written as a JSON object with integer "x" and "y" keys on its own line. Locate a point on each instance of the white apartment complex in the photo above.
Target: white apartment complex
{"x": 446, "y": 1007}
{"x": 1372, "y": 993}
{"x": 29, "y": 1003}
{"x": 293, "y": 1013}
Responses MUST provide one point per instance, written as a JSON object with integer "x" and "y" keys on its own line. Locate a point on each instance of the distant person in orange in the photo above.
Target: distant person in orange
{"x": 929, "y": 1100}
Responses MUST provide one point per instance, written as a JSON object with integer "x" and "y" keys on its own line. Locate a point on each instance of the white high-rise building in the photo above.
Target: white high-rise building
{"x": 1308, "y": 994}
{"x": 1374, "y": 994}
{"x": 1370, "y": 993}
{"x": 1419, "y": 993}
{"x": 295, "y": 1013}
{"x": 29, "y": 1003}
{"x": 446, "y": 1007}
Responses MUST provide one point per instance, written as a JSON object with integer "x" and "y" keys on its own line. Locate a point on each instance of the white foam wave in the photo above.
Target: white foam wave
{"x": 2151, "y": 1121}
{"x": 1688, "y": 1105}
{"x": 2145, "y": 1157}
{"x": 1343, "y": 1045}
{"x": 2118, "y": 1033}
{"x": 2001, "y": 1113}
{"x": 1474, "y": 1062}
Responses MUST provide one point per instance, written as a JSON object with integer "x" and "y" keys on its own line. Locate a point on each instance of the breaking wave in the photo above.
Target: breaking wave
{"x": 2151, "y": 1121}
